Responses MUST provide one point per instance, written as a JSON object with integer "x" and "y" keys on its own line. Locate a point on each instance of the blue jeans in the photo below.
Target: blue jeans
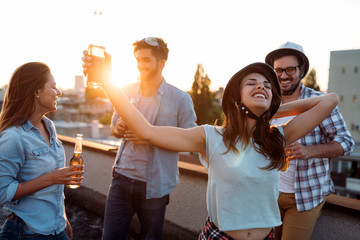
{"x": 16, "y": 229}
{"x": 127, "y": 197}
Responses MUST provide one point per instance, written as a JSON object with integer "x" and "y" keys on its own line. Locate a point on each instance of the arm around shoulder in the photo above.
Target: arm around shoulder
{"x": 297, "y": 107}
{"x": 312, "y": 111}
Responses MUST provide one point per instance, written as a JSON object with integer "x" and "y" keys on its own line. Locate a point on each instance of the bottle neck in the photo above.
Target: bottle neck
{"x": 77, "y": 154}
{"x": 78, "y": 146}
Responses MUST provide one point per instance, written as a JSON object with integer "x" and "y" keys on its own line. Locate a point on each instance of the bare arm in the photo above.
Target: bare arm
{"x": 328, "y": 150}
{"x": 120, "y": 130}
{"x": 313, "y": 111}
{"x": 171, "y": 138}
{"x": 59, "y": 176}
{"x": 293, "y": 108}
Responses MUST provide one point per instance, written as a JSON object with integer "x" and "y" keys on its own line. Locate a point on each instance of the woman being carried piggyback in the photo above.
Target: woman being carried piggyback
{"x": 244, "y": 155}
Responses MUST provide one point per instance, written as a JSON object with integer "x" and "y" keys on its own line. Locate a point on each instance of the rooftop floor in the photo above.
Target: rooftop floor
{"x": 186, "y": 212}
{"x": 86, "y": 225}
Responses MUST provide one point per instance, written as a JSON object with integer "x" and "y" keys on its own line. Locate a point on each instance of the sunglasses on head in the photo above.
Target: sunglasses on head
{"x": 152, "y": 41}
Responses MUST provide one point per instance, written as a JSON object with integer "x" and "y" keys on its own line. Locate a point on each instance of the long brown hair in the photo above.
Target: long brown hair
{"x": 19, "y": 100}
{"x": 266, "y": 140}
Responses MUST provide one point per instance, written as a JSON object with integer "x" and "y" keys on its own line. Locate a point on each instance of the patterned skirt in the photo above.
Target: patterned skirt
{"x": 212, "y": 232}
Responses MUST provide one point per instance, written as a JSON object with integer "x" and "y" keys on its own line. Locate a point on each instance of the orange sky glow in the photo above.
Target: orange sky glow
{"x": 224, "y": 36}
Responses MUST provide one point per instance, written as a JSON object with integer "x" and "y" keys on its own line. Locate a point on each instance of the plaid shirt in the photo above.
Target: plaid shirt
{"x": 312, "y": 177}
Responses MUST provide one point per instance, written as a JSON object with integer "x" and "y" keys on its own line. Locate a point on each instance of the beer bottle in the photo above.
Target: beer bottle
{"x": 77, "y": 158}
{"x": 286, "y": 166}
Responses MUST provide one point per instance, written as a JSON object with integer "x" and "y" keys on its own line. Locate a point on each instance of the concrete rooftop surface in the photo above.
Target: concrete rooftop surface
{"x": 86, "y": 225}
{"x": 186, "y": 212}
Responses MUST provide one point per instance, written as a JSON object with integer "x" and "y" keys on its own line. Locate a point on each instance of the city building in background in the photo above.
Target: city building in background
{"x": 90, "y": 117}
{"x": 79, "y": 85}
{"x": 344, "y": 80}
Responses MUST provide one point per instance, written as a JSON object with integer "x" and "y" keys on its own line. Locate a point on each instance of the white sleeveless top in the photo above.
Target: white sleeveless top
{"x": 240, "y": 195}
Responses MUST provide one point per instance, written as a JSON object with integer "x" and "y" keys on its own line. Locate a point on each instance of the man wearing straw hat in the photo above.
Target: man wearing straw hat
{"x": 307, "y": 181}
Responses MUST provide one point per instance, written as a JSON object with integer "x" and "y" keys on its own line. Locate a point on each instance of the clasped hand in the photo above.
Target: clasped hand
{"x": 123, "y": 131}
{"x": 296, "y": 151}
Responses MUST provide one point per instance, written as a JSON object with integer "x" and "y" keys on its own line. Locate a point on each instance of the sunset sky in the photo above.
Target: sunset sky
{"x": 224, "y": 36}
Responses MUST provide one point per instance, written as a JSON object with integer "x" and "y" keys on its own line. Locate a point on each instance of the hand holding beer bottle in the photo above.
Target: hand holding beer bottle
{"x": 77, "y": 158}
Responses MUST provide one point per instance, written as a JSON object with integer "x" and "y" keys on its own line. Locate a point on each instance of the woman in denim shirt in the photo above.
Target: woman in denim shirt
{"x": 32, "y": 159}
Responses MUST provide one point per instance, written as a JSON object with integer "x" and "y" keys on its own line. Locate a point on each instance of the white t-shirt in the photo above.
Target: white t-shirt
{"x": 287, "y": 179}
{"x": 240, "y": 195}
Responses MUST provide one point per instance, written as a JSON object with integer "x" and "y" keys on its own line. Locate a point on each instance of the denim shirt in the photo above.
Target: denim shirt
{"x": 24, "y": 155}
{"x": 174, "y": 108}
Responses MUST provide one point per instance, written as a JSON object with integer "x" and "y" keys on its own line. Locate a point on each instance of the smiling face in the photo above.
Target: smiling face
{"x": 47, "y": 96}
{"x": 149, "y": 67}
{"x": 256, "y": 93}
{"x": 288, "y": 83}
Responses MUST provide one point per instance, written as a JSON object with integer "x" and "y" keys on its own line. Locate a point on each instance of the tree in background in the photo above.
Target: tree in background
{"x": 310, "y": 80}
{"x": 206, "y": 111}
{"x": 106, "y": 119}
